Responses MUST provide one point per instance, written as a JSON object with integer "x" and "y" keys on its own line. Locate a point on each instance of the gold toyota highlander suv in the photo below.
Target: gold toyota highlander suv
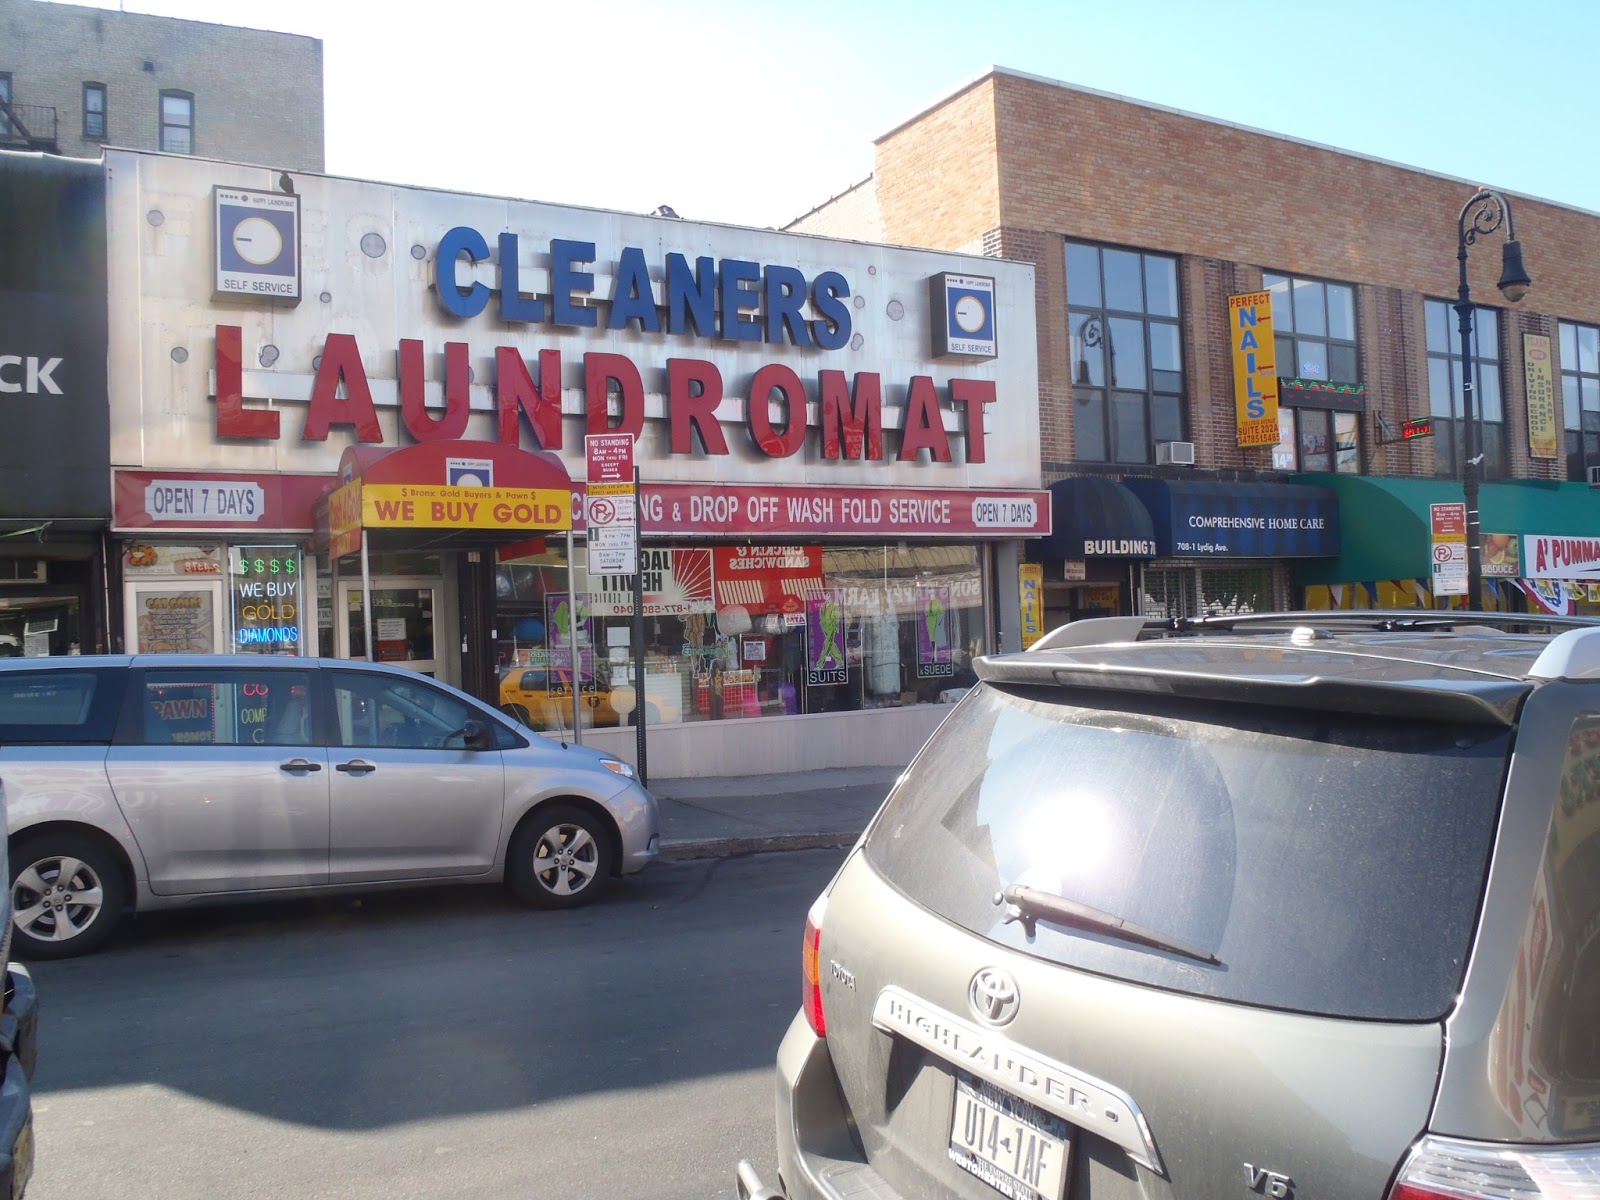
{"x": 1287, "y": 906}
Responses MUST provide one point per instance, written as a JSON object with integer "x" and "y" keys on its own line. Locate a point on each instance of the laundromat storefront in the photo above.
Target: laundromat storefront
{"x": 823, "y": 614}
{"x": 1531, "y": 551}
{"x": 836, "y": 443}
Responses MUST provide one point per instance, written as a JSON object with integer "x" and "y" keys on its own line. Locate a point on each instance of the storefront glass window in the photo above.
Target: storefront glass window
{"x": 1580, "y": 394}
{"x": 1445, "y": 394}
{"x": 1125, "y": 331}
{"x": 734, "y": 632}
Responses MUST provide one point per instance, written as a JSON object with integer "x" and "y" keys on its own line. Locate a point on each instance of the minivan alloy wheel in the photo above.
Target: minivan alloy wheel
{"x": 66, "y": 897}
{"x": 559, "y": 858}
{"x": 565, "y": 859}
{"x": 57, "y": 898}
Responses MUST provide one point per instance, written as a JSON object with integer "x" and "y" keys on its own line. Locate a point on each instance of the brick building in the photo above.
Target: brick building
{"x": 1142, "y": 222}
{"x": 74, "y": 79}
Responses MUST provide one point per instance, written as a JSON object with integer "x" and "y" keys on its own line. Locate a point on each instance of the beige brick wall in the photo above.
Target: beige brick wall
{"x": 1015, "y": 165}
{"x": 852, "y": 214}
{"x": 257, "y": 95}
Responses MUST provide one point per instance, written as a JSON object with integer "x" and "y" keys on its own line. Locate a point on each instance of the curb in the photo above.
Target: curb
{"x": 731, "y": 847}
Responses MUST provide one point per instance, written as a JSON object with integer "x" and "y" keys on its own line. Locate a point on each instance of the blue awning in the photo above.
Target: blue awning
{"x": 1206, "y": 519}
{"x": 1096, "y": 517}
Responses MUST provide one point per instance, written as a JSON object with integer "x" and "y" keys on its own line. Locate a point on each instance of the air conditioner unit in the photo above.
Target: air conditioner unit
{"x": 1175, "y": 454}
{"x": 1594, "y": 477}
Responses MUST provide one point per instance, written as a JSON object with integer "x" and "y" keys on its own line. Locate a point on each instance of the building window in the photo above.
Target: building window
{"x": 1580, "y": 390}
{"x": 1314, "y": 324}
{"x": 177, "y": 122}
{"x": 94, "y": 110}
{"x": 1444, "y": 389}
{"x": 5, "y": 100}
{"x": 1127, "y": 352}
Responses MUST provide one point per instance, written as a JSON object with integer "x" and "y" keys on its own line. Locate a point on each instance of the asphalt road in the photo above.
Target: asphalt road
{"x": 430, "y": 1044}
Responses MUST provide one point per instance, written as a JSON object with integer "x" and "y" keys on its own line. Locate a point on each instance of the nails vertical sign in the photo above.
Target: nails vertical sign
{"x": 1255, "y": 368}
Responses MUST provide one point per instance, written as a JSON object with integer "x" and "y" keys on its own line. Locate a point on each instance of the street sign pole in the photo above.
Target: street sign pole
{"x": 639, "y": 708}
{"x": 612, "y": 514}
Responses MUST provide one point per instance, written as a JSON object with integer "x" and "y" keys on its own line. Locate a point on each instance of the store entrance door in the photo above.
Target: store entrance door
{"x": 403, "y": 622}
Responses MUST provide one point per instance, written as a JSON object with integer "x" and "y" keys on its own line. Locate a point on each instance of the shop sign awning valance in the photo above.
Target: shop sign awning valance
{"x": 483, "y": 487}
{"x": 1214, "y": 519}
{"x": 1387, "y": 533}
{"x": 1095, "y": 517}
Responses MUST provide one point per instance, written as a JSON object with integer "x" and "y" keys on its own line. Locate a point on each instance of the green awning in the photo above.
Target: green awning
{"x": 1386, "y": 531}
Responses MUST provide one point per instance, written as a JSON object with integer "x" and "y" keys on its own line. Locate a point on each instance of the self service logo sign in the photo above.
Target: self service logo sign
{"x": 963, "y": 316}
{"x": 258, "y": 245}
{"x": 1255, "y": 370}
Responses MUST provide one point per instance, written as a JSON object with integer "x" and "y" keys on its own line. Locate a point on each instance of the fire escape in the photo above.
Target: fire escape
{"x": 28, "y": 127}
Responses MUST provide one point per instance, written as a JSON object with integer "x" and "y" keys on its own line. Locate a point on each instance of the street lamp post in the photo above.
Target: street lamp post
{"x": 1482, "y": 214}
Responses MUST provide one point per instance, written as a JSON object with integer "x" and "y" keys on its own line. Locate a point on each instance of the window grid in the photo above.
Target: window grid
{"x": 94, "y": 110}
{"x": 176, "y": 116}
{"x": 1314, "y": 330}
{"x": 1127, "y": 352}
{"x": 1580, "y": 394}
{"x": 5, "y": 95}
{"x": 1445, "y": 395}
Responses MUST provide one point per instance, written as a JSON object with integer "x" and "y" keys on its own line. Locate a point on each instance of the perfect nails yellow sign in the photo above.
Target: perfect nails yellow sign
{"x": 1255, "y": 369}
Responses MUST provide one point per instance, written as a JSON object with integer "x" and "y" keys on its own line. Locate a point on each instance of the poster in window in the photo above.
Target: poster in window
{"x": 174, "y": 622}
{"x": 825, "y": 635}
{"x": 562, "y": 619}
{"x": 934, "y": 658}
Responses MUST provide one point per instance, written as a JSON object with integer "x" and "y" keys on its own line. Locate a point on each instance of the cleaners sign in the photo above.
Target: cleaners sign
{"x": 1255, "y": 370}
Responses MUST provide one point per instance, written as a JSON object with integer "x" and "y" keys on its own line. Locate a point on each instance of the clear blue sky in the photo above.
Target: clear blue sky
{"x": 750, "y": 112}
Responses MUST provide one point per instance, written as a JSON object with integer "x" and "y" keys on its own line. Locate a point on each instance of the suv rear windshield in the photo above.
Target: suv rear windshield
{"x": 1332, "y": 862}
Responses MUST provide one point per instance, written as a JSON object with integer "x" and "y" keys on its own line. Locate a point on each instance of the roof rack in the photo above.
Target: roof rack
{"x": 1100, "y": 631}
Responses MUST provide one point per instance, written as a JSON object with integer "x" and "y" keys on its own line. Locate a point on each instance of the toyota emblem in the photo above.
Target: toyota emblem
{"x": 994, "y": 997}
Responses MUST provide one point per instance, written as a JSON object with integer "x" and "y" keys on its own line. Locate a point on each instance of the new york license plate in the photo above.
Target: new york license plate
{"x": 1015, "y": 1147}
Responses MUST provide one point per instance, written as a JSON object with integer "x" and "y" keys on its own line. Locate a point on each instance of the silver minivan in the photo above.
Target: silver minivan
{"x": 138, "y": 783}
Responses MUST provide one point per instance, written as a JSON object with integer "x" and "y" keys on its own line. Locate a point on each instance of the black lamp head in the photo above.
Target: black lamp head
{"x": 1514, "y": 281}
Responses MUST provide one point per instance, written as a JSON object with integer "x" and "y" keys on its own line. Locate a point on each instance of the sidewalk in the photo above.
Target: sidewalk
{"x": 718, "y": 818}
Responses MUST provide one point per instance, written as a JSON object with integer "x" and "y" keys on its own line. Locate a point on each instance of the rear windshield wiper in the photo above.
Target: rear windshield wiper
{"x": 1028, "y": 905}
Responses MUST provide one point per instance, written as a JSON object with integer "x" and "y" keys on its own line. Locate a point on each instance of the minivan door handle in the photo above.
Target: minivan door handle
{"x": 357, "y": 766}
{"x": 299, "y": 766}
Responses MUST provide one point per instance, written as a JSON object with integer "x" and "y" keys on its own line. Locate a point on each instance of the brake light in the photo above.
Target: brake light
{"x": 811, "y": 969}
{"x": 1452, "y": 1169}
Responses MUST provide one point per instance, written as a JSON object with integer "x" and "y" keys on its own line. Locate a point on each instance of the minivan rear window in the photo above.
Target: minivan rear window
{"x": 60, "y": 706}
{"x": 1332, "y": 862}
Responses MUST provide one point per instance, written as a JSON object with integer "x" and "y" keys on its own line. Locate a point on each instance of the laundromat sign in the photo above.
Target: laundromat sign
{"x": 731, "y": 302}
